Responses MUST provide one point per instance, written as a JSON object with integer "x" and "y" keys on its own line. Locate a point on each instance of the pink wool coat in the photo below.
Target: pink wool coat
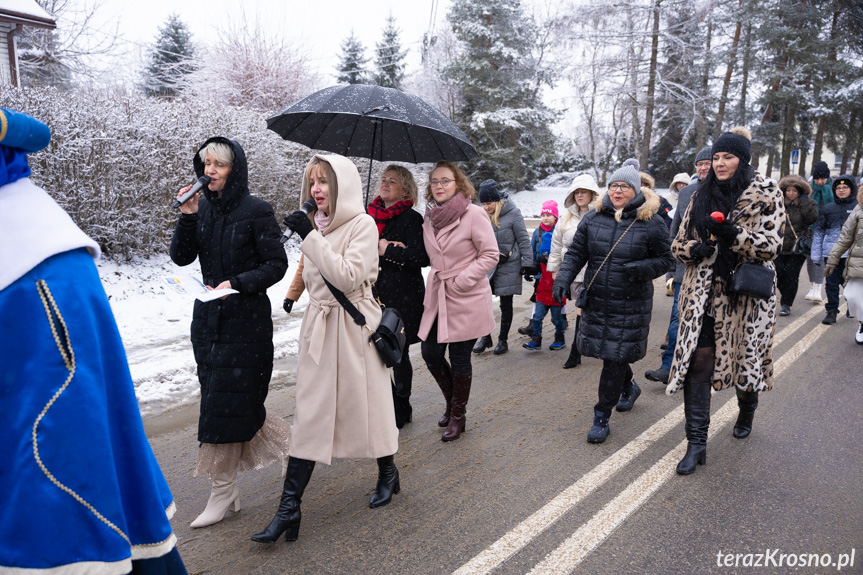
{"x": 458, "y": 293}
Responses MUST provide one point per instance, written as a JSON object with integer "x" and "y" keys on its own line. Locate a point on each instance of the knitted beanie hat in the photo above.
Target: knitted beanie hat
{"x": 821, "y": 170}
{"x": 736, "y": 142}
{"x": 488, "y": 192}
{"x": 549, "y": 207}
{"x": 704, "y": 154}
{"x": 627, "y": 174}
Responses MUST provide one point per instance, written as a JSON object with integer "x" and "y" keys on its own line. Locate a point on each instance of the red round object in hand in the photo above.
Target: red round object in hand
{"x": 718, "y": 216}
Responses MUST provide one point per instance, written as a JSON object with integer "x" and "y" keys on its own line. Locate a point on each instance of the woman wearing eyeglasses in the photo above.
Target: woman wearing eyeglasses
{"x": 625, "y": 245}
{"x": 462, "y": 249}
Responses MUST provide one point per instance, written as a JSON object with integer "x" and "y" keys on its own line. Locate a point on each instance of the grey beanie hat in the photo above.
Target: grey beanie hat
{"x": 627, "y": 174}
{"x": 703, "y": 154}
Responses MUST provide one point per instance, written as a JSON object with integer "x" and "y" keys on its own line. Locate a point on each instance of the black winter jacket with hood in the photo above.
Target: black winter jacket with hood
{"x": 236, "y": 238}
{"x": 616, "y": 321}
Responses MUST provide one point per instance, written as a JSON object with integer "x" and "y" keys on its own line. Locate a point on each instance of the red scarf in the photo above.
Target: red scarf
{"x": 378, "y": 210}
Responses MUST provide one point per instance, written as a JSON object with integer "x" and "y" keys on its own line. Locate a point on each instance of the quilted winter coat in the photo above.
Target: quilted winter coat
{"x": 851, "y": 242}
{"x": 513, "y": 243}
{"x": 744, "y": 334}
{"x": 236, "y": 238}
{"x": 616, "y": 321}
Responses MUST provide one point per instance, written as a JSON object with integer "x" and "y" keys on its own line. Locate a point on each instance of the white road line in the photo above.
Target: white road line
{"x": 590, "y": 535}
{"x": 517, "y": 538}
{"x": 521, "y": 535}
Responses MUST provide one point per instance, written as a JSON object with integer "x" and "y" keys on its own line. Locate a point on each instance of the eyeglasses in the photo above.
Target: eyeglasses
{"x": 621, "y": 187}
{"x": 441, "y": 182}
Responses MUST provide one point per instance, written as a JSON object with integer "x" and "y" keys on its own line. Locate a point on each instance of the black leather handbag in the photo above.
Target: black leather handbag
{"x": 754, "y": 280}
{"x": 389, "y": 338}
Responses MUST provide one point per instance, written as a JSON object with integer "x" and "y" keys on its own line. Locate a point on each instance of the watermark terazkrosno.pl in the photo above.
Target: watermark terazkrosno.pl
{"x": 777, "y": 558}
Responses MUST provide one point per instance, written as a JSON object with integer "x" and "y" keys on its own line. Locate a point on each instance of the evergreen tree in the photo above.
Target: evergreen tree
{"x": 353, "y": 60}
{"x": 389, "y": 58}
{"x": 501, "y": 110}
{"x": 171, "y": 59}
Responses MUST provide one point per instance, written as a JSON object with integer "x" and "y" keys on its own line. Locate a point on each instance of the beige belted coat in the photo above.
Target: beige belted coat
{"x": 457, "y": 292}
{"x": 344, "y": 400}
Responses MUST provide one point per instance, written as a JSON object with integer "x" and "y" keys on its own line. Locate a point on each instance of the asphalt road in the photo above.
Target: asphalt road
{"x": 523, "y": 492}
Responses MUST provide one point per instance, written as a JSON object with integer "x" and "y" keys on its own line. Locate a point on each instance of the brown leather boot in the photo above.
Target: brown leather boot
{"x": 443, "y": 377}
{"x": 460, "y": 393}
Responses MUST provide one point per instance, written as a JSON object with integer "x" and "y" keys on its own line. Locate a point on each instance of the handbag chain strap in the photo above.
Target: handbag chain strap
{"x": 593, "y": 279}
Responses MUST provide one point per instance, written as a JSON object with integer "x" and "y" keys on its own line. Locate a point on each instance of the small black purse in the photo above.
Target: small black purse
{"x": 754, "y": 280}
{"x": 389, "y": 338}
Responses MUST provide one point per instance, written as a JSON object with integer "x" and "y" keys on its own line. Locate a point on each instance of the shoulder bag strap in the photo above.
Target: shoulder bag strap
{"x": 607, "y": 255}
{"x": 358, "y": 317}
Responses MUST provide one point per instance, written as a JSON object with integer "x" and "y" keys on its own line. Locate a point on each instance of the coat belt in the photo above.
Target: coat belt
{"x": 319, "y": 329}
{"x": 441, "y": 276}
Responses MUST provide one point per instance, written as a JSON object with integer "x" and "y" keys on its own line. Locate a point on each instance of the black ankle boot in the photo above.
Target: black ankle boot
{"x": 748, "y": 403}
{"x": 388, "y": 482}
{"x": 696, "y": 407}
{"x": 287, "y": 519}
{"x": 574, "y": 357}
{"x": 502, "y": 347}
{"x": 483, "y": 344}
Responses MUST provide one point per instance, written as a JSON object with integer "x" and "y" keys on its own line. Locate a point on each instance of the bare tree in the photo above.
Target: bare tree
{"x": 58, "y": 57}
{"x": 252, "y": 68}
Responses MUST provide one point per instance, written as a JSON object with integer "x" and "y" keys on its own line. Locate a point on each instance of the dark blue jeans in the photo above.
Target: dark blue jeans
{"x": 833, "y": 281}
{"x": 556, "y": 318}
{"x": 668, "y": 354}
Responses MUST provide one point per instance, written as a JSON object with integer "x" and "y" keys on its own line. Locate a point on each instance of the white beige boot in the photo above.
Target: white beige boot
{"x": 225, "y": 494}
{"x": 814, "y": 294}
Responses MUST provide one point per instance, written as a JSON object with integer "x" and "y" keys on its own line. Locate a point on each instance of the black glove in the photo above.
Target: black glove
{"x": 298, "y": 222}
{"x": 288, "y": 304}
{"x": 558, "y": 293}
{"x": 701, "y": 251}
{"x": 725, "y": 232}
{"x": 528, "y": 277}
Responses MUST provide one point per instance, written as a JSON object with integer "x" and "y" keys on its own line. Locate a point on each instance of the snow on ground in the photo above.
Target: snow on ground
{"x": 154, "y": 320}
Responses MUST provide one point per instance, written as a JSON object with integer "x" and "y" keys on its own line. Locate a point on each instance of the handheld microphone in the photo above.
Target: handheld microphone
{"x": 202, "y": 182}
{"x": 308, "y": 207}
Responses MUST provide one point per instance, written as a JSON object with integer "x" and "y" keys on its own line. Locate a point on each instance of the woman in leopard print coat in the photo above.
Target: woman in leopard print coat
{"x": 725, "y": 339}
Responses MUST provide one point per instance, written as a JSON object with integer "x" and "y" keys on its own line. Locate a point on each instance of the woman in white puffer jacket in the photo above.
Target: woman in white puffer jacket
{"x": 582, "y": 193}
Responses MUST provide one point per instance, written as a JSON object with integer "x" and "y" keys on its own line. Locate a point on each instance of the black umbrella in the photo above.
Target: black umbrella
{"x": 374, "y": 122}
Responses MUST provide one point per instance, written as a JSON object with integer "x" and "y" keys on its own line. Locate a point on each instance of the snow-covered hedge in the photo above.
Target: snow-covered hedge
{"x": 116, "y": 160}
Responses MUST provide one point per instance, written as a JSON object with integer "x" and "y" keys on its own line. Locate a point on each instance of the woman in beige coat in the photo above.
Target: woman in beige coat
{"x": 582, "y": 193}
{"x": 457, "y": 308}
{"x": 344, "y": 404}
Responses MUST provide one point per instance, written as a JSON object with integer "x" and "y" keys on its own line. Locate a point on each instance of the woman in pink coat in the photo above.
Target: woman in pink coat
{"x": 462, "y": 250}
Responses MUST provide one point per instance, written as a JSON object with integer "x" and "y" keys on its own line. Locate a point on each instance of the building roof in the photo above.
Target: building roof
{"x": 26, "y": 12}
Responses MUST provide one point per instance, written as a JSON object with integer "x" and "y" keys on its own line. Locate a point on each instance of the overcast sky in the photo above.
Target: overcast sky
{"x": 321, "y": 25}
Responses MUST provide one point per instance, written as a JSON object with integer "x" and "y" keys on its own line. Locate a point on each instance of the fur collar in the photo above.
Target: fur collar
{"x": 648, "y": 209}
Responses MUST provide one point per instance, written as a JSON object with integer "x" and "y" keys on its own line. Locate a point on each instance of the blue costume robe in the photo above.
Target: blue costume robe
{"x": 82, "y": 491}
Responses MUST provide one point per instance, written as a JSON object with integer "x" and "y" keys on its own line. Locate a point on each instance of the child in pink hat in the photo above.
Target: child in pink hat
{"x": 544, "y": 303}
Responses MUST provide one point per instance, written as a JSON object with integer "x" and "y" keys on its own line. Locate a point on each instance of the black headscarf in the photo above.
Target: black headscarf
{"x": 711, "y": 196}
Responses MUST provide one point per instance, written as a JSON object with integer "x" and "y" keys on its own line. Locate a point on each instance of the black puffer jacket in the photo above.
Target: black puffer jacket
{"x": 400, "y": 282}
{"x": 237, "y": 239}
{"x": 616, "y": 321}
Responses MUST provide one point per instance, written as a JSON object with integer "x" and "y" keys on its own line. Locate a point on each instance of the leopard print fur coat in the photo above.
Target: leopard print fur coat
{"x": 744, "y": 334}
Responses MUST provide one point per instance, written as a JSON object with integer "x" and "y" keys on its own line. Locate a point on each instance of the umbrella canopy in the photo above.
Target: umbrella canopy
{"x": 363, "y": 121}
{"x": 374, "y": 122}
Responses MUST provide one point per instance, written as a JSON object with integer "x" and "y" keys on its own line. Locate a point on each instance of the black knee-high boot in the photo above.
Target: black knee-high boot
{"x": 696, "y": 407}
{"x": 748, "y": 403}
{"x": 287, "y": 519}
{"x": 388, "y": 482}
{"x": 574, "y": 357}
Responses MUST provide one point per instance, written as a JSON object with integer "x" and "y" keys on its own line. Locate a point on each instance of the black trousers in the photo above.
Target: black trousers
{"x": 611, "y": 381}
{"x": 788, "y": 276}
{"x": 459, "y": 353}
{"x": 505, "y": 315}
{"x": 403, "y": 375}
